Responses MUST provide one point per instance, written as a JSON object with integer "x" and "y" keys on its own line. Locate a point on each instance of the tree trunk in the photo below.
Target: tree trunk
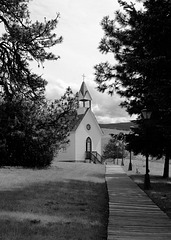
{"x": 166, "y": 167}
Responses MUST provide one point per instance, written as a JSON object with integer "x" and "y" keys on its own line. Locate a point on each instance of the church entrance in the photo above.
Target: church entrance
{"x": 88, "y": 148}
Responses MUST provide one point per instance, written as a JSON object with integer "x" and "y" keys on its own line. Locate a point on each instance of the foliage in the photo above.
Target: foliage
{"x": 139, "y": 39}
{"x": 145, "y": 137}
{"x": 140, "y": 42}
{"x": 114, "y": 148}
{"x": 31, "y": 128}
{"x": 32, "y": 133}
{"x": 22, "y": 42}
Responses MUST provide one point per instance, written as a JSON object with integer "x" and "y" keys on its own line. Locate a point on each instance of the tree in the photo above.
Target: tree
{"x": 145, "y": 137}
{"x": 140, "y": 41}
{"x": 114, "y": 148}
{"x": 31, "y": 128}
{"x": 22, "y": 42}
{"x": 31, "y": 134}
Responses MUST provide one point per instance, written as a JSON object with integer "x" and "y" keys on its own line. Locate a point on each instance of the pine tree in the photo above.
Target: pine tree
{"x": 140, "y": 41}
{"x": 22, "y": 42}
{"x": 31, "y": 128}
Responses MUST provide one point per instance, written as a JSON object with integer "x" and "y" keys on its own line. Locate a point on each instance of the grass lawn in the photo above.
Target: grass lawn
{"x": 67, "y": 201}
{"x": 160, "y": 191}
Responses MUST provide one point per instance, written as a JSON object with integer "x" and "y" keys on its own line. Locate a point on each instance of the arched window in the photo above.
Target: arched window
{"x": 88, "y": 145}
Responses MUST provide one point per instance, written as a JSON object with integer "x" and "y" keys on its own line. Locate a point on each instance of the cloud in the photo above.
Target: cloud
{"x": 80, "y": 27}
{"x": 106, "y": 108}
{"x": 55, "y": 88}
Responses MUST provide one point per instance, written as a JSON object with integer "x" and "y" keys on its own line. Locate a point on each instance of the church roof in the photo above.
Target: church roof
{"x": 78, "y": 120}
{"x": 84, "y": 94}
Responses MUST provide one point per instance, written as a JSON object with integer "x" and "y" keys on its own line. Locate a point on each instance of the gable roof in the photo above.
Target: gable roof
{"x": 78, "y": 120}
{"x": 81, "y": 117}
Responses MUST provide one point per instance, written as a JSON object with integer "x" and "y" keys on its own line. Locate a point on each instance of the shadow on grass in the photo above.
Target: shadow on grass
{"x": 69, "y": 209}
{"x": 160, "y": 191}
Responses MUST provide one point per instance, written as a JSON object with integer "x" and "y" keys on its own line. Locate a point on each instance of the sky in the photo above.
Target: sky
{"x": 79, "y": 25}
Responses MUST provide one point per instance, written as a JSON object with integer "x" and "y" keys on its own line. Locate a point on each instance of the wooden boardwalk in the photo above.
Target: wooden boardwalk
{"x": 132, "y": 215}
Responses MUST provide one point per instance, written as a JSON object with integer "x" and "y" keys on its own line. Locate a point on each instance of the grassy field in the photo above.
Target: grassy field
{"x": 67, "y": 201}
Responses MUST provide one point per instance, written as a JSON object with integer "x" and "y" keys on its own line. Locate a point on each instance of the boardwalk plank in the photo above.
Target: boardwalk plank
{"x": 132, "y": 214}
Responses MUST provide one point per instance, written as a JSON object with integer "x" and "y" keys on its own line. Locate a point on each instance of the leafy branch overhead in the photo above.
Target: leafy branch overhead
{"x": 139, "y": 39}
{"x": 23, "y": 41}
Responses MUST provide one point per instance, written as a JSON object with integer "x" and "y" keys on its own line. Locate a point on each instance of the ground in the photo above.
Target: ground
{"x": 66, "y": 201}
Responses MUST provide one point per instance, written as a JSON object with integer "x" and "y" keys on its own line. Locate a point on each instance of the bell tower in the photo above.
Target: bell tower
{"x": 84, "y": 99}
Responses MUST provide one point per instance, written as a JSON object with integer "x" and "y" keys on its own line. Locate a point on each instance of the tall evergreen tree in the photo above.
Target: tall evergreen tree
{"x": 22, "y": 42}
{"x": 31, "y": 128}
{"x": 140, "y": 41}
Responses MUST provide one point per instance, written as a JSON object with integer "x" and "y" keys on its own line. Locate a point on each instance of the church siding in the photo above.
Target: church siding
{"x": 83, "y": 133}
{"x": 69, "y": 154}
{"x": 76, "y": 149}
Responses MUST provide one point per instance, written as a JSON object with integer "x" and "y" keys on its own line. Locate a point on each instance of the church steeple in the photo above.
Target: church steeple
{"x": 84, "y": 98}
{"x": 84, "y": 95}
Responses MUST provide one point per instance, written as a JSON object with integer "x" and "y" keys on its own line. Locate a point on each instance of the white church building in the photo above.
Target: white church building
{"x": 86, "y": 135}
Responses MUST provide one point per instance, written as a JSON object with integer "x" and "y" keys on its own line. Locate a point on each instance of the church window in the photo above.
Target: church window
{"x": 88, "y": 126}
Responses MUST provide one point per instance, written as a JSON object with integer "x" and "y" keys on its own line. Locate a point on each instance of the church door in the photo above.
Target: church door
{"x": 88, "y": 147}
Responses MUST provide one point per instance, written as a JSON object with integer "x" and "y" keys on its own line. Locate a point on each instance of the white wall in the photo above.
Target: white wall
{"x": 69, "y": 154}
{"x": 77, "y": 146}
{"x": 82, "y": 134}
{"x": 80, "y": 140}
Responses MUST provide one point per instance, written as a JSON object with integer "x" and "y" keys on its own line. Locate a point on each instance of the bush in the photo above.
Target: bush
{"x": 32, "y": 133}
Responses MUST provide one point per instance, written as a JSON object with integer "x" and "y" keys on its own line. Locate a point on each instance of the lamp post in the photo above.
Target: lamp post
{"x": 130, "y": 162}
{"x": 122, "y": 161}
{"x": 146, "y": 115}
{"x": 130, "y": 152}
{"x": 123, "y": 142}
{"x": 117, "y": 149}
